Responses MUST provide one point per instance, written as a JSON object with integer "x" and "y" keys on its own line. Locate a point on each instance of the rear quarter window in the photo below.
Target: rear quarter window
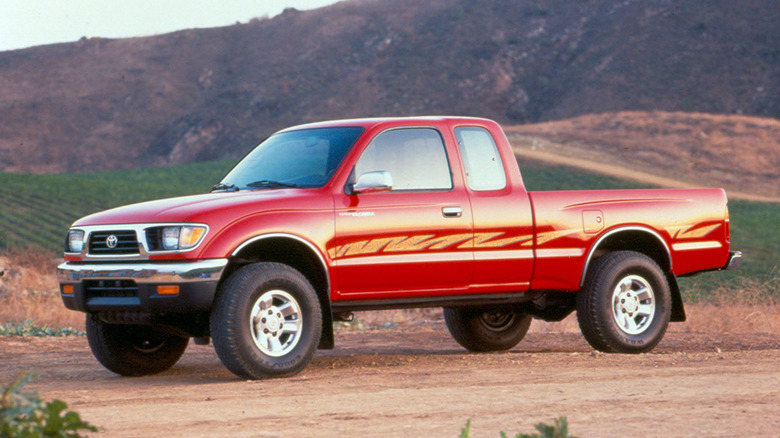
{"x": 481, "y": 160}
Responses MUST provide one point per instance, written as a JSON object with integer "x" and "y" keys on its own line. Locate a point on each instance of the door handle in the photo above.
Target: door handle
{"x": 451, "y": 212}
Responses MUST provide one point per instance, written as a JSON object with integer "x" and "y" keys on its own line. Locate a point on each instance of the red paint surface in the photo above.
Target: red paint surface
{"x": 399, "y": 245}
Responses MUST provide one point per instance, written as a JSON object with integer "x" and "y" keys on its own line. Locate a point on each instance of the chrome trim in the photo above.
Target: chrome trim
{"x": 188, "y": 272}
{"x": 140, "y": 237}
{"x": 294, "y": 237}
{"x": 373, "y": 182}
{"x": 735, "y": 259}
{"x": 617, "y": 230}
{"x": 451, "y": 211}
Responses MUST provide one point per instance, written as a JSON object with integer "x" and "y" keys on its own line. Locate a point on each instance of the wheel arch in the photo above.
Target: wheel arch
{"x": 299, "y": 254}
{"x": 645, "y": 241}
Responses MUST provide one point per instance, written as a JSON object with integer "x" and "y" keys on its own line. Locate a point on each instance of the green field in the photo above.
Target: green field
{"x": 36, "y": 210}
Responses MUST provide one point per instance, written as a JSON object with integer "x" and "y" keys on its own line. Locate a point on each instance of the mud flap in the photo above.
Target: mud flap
{"x": 678, "y": 309}
{"x": 327, "y": 338}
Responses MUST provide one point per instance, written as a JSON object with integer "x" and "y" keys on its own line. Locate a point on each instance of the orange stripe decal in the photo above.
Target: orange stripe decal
{"x": 425, "y": 242}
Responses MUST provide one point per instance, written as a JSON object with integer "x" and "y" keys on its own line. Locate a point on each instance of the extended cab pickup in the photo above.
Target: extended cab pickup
{"x": 325, "y": 219}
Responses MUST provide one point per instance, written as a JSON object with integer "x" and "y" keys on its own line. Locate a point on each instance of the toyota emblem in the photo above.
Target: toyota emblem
{"x": 111, "y": 241}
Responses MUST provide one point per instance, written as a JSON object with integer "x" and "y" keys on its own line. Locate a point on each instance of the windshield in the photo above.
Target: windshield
{"x": 304, "y": 158}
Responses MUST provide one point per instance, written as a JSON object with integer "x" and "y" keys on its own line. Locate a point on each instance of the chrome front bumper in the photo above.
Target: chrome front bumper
{"x": 167, "y": 273}
{"x": 129, "y": 286}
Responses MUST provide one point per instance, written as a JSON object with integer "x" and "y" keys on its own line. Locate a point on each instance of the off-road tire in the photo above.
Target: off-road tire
{"x": 625, "y": 305}
{"x": 251, "y": 346}
{"x": 487, "y": 329}
{"x": 133, "y": 350}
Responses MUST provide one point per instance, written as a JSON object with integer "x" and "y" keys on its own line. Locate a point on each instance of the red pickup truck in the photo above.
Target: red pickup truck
{"x": 324, "y": 219}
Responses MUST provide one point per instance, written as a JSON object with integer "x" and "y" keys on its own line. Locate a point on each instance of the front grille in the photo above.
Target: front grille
{"x": 101, "y": 242}
{"x": 110, "y": 289}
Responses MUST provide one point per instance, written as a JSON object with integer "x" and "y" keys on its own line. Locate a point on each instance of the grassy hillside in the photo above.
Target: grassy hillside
{"x": 201, "y": 94}
{"x": 739, "y": 153}
{"x": 37, "y": 210}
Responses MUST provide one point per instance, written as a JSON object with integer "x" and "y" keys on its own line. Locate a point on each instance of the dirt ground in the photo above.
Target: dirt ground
{"x": 414, "y": 380}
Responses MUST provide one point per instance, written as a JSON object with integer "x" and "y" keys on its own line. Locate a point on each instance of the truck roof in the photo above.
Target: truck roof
{"x": 375, "y": 121}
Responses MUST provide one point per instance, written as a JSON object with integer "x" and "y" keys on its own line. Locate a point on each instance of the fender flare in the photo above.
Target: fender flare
{"x": 613, "y": 231}
{"x": 327, "y": 341}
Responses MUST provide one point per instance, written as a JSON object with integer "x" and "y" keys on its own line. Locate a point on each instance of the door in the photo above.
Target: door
{"x": 502, "y": 216}
{"x": 411, "y": 237}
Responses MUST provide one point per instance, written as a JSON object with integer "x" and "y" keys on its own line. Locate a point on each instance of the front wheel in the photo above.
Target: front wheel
{"x": 266, "y": 321}
{"x": 133, "y": 350}
{"x": 625, "y": 306}
{"x": 487, "y": 329}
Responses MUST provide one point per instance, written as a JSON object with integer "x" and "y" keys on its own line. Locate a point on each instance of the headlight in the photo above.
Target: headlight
{"x": 75, "y": 241}
{"x": 170, "y": 237}
{"x": 181, "y": 237}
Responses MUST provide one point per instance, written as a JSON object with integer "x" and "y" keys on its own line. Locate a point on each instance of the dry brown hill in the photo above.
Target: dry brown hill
{"x": 100, "y": 104}
{"x": 739, "y": 153}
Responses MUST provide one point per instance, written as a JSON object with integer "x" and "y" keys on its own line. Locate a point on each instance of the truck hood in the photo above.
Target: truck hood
{"x": 203, "y": 208}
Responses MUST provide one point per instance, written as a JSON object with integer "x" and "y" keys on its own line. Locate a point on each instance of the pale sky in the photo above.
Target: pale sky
{"x": 27, "y": 23}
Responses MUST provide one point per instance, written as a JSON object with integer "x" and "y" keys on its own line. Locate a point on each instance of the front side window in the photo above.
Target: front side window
{"x": 481, "y": 160}
{"x": 302, "y": 158}
{"x": 414, "y": 157}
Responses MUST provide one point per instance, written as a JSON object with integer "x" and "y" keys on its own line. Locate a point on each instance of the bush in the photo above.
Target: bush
{"x": 559, "y": 429}
{"x": 26, "y": 415}
{"x": 29, "y": 328}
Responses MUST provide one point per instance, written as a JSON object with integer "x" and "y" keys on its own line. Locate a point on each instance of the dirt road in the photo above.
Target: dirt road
{"x": 416, "y": 381}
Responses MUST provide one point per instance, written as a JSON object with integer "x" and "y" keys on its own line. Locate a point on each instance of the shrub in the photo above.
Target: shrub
{"x": 26, "y": 415}
{"x": 29, "y": 328}
{"x": 559, "y": 429}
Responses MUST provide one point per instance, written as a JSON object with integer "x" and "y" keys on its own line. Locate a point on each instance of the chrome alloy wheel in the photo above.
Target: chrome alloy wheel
{"x": 633, "y": 305}
{"x": 276, "y": 323}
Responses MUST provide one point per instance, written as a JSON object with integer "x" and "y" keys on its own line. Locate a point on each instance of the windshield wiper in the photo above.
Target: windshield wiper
{"x": 271, "y": 184}
{"x": 224, "y": 187}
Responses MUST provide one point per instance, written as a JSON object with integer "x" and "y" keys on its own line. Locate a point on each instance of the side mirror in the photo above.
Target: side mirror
{"x": 373, "y": 182}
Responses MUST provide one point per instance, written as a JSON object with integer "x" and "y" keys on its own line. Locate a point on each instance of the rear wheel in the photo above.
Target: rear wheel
{"x": 133, "y": 350}
{"x": 625, "y": 306}
{"x": 487, "y": 329}
{"x": 266, "y": 321}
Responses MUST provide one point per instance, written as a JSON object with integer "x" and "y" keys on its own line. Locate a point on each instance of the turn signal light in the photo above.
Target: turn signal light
{"x": 168, "y": 290}
{"x": 67, "y": 289}
{"x": 182, "y": 237}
